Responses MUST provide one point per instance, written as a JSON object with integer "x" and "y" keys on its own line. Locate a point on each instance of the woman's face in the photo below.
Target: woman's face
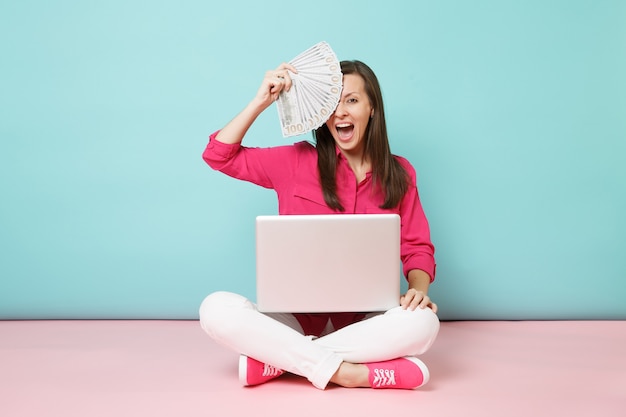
{"x": 349, "y": 121}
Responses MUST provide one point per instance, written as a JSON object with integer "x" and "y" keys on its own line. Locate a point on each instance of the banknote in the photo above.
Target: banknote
{"x": 315, "y": 91}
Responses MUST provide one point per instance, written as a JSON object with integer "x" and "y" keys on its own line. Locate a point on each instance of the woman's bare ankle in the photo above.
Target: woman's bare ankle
{"x": 351, "y": 375}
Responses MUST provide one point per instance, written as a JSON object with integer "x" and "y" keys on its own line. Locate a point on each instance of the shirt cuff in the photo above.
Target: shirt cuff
{"x": 222, "y": 150}
{"x": 425, "y": 265}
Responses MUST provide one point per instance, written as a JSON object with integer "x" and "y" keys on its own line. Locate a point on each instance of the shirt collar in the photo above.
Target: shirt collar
{"x": 344, "y": 161}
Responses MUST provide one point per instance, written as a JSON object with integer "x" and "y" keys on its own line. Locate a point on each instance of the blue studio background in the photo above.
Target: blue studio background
{"x": 512, "y": 112}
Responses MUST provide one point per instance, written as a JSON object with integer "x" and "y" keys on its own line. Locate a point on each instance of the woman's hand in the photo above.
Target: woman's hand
{"x": 414, "y": 299}
{"x": 274, "y": 82}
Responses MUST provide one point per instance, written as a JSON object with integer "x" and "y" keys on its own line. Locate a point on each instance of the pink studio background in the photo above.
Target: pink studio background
{"x": 165, "y": 368}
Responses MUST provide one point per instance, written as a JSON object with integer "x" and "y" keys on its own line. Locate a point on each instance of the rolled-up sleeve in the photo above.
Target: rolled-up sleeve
{"x": 267, "y": 167}
{"x": 218, "y": 154}
{"x": 416, "y": 250}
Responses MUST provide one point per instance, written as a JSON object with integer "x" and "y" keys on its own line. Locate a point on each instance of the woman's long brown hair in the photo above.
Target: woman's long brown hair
{"x": 387, "y": 172}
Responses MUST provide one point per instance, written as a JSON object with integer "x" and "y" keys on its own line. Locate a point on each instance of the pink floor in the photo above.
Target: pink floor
{"x": 170, "y": 368}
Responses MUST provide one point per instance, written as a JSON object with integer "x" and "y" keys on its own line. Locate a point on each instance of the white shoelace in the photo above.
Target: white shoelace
{"x": 384, "y": 377}
{"x": 269, "y": 370}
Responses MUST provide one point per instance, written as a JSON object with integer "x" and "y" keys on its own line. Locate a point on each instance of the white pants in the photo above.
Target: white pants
{"x": 277, "y": 339}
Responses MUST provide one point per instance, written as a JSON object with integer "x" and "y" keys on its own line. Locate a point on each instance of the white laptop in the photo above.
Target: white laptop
{"x": 328, "y": 263}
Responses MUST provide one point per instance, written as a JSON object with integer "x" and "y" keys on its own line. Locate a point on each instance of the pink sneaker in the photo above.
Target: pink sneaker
{"x": 253, "y": 372}
{"x": 403, "y": 373}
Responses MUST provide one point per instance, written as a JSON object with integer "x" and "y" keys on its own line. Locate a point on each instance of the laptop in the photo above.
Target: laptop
{"x": 328, "y": 263}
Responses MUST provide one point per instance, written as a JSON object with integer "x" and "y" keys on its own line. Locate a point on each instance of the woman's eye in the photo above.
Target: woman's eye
{"x": 352, "y": 100}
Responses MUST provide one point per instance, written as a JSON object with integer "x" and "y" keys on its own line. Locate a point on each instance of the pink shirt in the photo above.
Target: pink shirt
{"x": 291, "y": 171}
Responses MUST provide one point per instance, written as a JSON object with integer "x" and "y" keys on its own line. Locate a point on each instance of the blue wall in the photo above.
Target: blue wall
{"x": 513, "y": 113}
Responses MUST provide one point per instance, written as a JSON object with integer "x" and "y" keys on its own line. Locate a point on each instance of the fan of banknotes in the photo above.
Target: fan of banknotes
{"x": 315, "y": 92}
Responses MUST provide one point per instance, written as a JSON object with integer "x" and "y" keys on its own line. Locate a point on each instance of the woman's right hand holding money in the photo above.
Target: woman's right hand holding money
{"x": 274, "y": 82}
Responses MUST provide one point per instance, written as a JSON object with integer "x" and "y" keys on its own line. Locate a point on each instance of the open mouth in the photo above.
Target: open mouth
{"x": 345, "y": 130}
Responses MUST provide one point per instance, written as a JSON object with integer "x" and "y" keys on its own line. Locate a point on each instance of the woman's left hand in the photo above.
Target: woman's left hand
{"x": 414, "y": 299}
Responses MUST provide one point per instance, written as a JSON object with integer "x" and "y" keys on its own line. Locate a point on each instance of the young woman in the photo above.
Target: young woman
{"x": 349, "y": 170}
